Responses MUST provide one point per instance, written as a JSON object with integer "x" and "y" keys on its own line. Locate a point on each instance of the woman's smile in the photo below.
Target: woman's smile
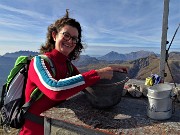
{"x": 66, "y": 45}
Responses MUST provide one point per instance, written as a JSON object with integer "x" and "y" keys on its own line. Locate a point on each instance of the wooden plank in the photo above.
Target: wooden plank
{"x": 78, "y": 129}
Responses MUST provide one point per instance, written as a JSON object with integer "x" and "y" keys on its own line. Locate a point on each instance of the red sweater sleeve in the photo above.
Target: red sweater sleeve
{"x": 58, "y": 89}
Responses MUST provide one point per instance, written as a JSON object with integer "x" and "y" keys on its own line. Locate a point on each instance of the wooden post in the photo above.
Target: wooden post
{"x": 47, "y": 126}
{"x": 164, "y": 39}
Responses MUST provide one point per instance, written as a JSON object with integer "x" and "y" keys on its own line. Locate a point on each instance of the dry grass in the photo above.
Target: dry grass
{"x": 13, "y": 132}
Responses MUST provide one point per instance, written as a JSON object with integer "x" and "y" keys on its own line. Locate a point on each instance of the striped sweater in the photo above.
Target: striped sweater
{"x": 55, "y": 89}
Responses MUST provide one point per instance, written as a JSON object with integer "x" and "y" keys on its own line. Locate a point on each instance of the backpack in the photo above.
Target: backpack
{"x": 13, "y": 108}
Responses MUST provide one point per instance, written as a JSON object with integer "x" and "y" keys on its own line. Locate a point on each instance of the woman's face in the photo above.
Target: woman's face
{"x": 65, "y": 39}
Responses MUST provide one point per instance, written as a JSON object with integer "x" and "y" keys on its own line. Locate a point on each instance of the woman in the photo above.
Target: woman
{"x": 63, "y": 45}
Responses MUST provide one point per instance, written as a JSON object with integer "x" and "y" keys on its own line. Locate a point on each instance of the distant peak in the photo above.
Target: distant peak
{"x": 113, "y": 52}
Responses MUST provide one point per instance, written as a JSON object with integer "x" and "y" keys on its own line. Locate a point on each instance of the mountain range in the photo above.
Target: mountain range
{"x": 112, "y": 56}
{"x": 141, "y": 63}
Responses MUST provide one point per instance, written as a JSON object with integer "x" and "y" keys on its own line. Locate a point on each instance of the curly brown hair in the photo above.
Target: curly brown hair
{"x": 56, "y": 27}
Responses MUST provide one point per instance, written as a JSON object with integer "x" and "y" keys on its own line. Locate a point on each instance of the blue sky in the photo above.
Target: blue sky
{"x": 108, "y": 25}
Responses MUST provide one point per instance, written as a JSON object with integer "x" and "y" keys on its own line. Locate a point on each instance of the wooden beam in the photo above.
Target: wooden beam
{"x": 164, "y": 39}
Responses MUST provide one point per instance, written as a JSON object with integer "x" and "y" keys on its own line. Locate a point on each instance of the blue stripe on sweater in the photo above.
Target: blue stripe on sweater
{"x": 52, "y": 84}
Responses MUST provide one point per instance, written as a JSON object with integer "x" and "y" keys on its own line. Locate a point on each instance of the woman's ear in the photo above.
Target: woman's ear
{"x": 54, "y": 35}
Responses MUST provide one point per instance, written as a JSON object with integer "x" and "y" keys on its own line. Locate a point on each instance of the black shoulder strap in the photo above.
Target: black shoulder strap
{"x": 70, "y": 68}
{"x": 26, "y": 106}
{"x": 47, "y": 59}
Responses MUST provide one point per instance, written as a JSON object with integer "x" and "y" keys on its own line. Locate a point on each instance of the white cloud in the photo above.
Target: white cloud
{"x": 23, "y": 12}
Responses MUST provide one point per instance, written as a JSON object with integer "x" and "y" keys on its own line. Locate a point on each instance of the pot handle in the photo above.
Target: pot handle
{"x": 123, "y": 81}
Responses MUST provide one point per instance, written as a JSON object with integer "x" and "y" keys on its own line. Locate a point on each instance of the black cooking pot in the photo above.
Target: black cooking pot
{"x": 107, "y": 93}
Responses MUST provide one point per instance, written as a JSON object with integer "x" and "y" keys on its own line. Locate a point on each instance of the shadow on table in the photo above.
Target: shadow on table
{"x": 129, "y": 113}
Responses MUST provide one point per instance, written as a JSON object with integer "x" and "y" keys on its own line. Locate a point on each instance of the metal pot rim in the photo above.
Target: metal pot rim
{"x": 112, "y": 84}
{"x": 160, "y": 88}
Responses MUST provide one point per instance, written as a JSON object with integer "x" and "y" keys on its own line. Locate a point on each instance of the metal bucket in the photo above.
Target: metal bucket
{"x": 107, "y": 93}
{"x": 159, "y": 101}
